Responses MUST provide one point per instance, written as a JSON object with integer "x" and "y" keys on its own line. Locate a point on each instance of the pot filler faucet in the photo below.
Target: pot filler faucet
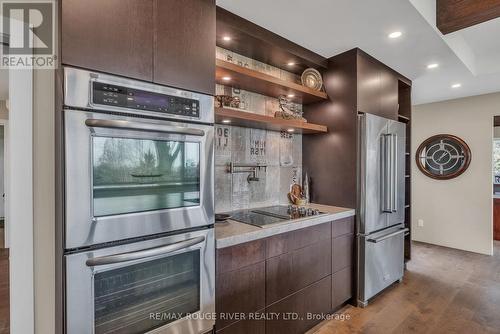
{"x": 252, "y": 169}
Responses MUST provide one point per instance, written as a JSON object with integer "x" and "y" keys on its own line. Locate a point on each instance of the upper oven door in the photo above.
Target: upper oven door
{"x": 147, "y": 286}
{"x": 129, "y": 177}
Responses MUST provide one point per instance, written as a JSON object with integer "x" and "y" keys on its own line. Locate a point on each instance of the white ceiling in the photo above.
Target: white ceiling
{"x": 329, "y": 27}
{"x": 4, "y": 84}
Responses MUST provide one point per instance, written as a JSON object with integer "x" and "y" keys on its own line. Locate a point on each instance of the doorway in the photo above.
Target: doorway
{"x": 496, "y": 178}
{"x": 4, "y": 242}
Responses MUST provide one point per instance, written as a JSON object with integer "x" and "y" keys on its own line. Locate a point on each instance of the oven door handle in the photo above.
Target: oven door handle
{"x": 142, "y": 126}
{"x": 131, "y": 256}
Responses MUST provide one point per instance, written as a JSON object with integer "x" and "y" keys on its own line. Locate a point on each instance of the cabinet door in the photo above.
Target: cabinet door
{"x": 368, "y": 85}
{"x": 377, "y": 88}
{"x": 342, "y": 254}
{"x": 184, "y": 55}
{"x": 389, "y": 94}
{"x": 238, "y": 292}
{"x": 341, "y": 287}
{"x": 293, "y": 271}
{"x": 300, "y": 311}
{"x": 113, "y": 36}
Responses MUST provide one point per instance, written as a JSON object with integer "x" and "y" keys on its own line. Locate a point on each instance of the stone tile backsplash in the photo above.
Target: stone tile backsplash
{"x": 281, "y": 152}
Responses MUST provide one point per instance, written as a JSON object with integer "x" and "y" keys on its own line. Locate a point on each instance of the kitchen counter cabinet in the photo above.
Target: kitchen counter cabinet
{"x": 342, "y": 261}
{"x": 232, "y": 232}
{"x": 303, "y": 267}
{"x": 314, "y": 299}
{"x": 307, "y": 270}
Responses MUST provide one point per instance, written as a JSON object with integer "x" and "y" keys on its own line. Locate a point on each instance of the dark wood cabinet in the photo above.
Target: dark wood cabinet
{"x": 285, "y": 274}
{"x": 113, "y": 36}
{"x": 342, "y": 253}
{"x": 342, "y": 288}
{"x": 496, "y": 219}
{"x": 303, "y": 266}
{"x": 240, "y": 282}
{"x": 295, "y": 310}
{"x": 240, "y": 291}
{"x": 355, "y": 82}
{"x": 184, "y": 51}
{"x": 169, "y": 42}
{"x": 377, "y": 88}
{"x": 288, "y": 242}
{"x": 247, "y": 326}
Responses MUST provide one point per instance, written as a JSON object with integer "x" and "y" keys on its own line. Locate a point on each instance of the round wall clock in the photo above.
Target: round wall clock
{"x": 443, "y": 157}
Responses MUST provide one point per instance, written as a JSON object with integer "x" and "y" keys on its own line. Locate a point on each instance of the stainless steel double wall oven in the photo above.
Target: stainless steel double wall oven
{"x": 139, "y": 206}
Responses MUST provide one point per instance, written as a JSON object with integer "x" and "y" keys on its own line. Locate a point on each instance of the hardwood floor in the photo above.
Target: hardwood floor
{"x": 444, "y": 291}
{"x": 4, "y": 291}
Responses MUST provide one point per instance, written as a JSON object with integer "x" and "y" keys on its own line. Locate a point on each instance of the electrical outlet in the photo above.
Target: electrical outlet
{"x": 420, "y": 223}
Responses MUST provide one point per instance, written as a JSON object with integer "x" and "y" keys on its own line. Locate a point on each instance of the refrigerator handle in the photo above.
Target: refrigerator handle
{"x": 386, "y": 174}
{"x": 394, "y": 174}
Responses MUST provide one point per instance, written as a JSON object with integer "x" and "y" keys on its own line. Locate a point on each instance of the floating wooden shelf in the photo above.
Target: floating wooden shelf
{"x": 251, "y": 120}
{"x": 247, "y": 79}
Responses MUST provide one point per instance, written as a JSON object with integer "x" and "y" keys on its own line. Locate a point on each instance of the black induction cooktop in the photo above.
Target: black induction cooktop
{"x": 273, "y": 214}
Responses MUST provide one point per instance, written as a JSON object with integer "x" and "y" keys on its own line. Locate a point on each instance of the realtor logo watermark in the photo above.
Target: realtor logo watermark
{"x": 28, "y": 28}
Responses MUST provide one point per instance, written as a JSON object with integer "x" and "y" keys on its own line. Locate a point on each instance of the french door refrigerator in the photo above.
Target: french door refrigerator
{"x": 380, "y": 221}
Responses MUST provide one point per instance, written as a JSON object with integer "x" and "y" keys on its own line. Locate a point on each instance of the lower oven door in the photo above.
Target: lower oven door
{"x": 162, "y": 285}
{"x": 128, "y": 177}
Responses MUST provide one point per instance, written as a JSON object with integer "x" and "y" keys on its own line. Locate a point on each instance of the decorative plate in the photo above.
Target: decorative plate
{"x": 443, "y": 157}
{"x": 312, "y": 78}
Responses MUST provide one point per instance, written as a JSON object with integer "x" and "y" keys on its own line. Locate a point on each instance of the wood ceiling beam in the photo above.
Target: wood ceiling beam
{"x": 453, "y": 15}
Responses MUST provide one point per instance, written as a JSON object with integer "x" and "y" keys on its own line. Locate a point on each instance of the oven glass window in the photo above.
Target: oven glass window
{"x": 135, "y": 175}
{"x": 145, "y": 296}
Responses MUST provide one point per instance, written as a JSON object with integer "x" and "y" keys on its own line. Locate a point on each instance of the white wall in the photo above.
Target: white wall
{"x": 44, "y": 200}
{"x": 457, "y": 213}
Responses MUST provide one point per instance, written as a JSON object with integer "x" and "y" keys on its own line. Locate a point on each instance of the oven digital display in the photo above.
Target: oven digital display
{"x": 124, "y": 97}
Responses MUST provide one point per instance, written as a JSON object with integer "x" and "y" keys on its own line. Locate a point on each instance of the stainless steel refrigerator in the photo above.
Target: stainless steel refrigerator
{"x": 381, "y": 193}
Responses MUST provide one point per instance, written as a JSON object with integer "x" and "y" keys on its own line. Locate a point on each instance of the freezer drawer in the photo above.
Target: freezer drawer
{"x": 381, "y": 261}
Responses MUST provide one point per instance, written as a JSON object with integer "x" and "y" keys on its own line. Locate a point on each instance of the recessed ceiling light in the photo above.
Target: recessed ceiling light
{"x": 290, "y": 130}
{"x": 291, "y": 95}
{"x": 226, "y": 121}
{"x": 226, "y": 38}
{"x": 433, "y": 65}
{"x": 291, "y": 63}
{"x": 395, "y": 34}
{"x": 457, "y": 85}
{"x": 226, "y": 78}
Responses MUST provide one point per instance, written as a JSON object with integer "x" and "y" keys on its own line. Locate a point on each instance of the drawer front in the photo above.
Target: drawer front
{"x": 383, "y": 263}
{"x": 239, "y": 291}
{"x": 239, "y": 256}
{"x": 315, "y": 299}
{"x": 343, "y": 226}
{"x": 290, "y": 241}
{"x": 293, "y": 271}
{"x": 343, "y": 250}
{"x": 341, "y": 286}
{"x": 247, "y": 326}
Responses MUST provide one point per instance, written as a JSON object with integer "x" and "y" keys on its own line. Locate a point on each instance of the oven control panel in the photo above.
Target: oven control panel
{"x": 125, "y": 97}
